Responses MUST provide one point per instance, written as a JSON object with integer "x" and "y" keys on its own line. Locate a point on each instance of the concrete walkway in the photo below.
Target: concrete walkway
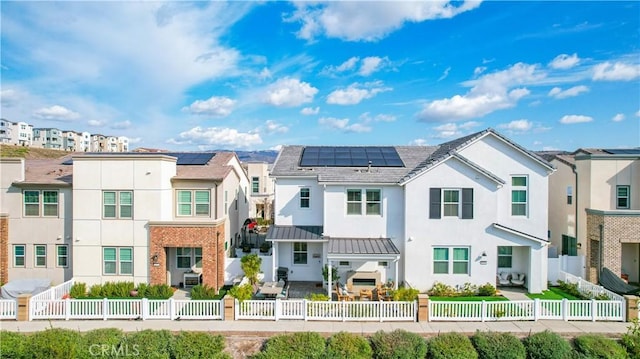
{"x": 267, "y": 328}
{"x": 513, "y": 293}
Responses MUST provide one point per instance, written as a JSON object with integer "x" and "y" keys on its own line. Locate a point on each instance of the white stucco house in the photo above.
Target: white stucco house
{"x": 456, "y": 213}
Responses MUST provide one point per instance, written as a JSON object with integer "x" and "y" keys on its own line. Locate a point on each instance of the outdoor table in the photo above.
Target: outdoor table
{"x": 271, "y": 289}
{"x": 366, "y": 293}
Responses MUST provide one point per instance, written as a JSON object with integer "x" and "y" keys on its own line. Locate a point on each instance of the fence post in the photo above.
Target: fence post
{"x": 594, "y": 310}
{"x": 105, "y": 308}
{"x": 565, "y": 309}
{"x": 483, "y": 311}
{"x": 276, "y": 309}
{"x": 344, "y": 311}
{"x": 536, "y": 309}
{"x": 67, "y": 309}
{"x": 229, "y": 305}
{"x": 304, "y": 309}
{"x": 172, "y": 309}
{"x": 380, "y": 311}
{"x": 631, "y": 307}
{"x": 24, "y": 310}
{"x": 145, "y": 308}
{"x": 423, "y": 307}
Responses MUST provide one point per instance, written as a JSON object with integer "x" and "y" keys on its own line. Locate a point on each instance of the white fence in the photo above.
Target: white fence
{"x": 587, "y": 288}
{"x": 8, "y": 309}
{"x": 571, "y": 264}
{"x": 593, "y": 310}
{"x": 333, "y": 311}
{"x": 141, "y": 309}
{"x": 56, "y": 292}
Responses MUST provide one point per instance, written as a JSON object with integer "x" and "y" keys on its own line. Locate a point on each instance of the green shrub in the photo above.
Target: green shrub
{"x": 302, "y": 345}
{"x": 498, "y": 346}
{"x": 631, "y": 339}
{"x": 55, "y": 343}
{"x": 345, "y": 345}
{"x": 250, "y": 265}
{"x": 571, "y": 288}
{"x": 78, "y": 290}
{"x": 199, "y": 345}
{"x": 13, "y": 345}
{"x": 451, "y": 346}
{"x": 157, "y": 344}
{"x": 95, "y": 291}
{"x": 592, "y": 346}
{"x": 156, "y": 291}
{"x": 467, "y": 290}
{"x": 403, "y": 294}
{"x": 241, "y": 292}
{"x": 318, "y": 297}
{"x": 101, "y": 343}
{"x": 547, "y": 345}
{"x": 398, "y": 344}
{"x": 442, "y": 290}
{"x": 487, "y": 290}
{"x": 200, "y": 292}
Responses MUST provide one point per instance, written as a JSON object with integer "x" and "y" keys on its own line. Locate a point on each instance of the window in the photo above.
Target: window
{"x": 459, "y": 264}
{"x": 117, "y": 260}
{"x": 18, "y": 255}
{"x": 32, "y": 203}
{"x": 255, "y": 184}
{"x": 383, "y": 264}
{"x": 40, "y": 252}
{"x": 505, "y": 256}
{"x": 569, "y": 195}
{"x": 183, "y": 258}
{"x": 451, "y": 203}
{"x": 117, "y": 204}
{"x": 373, "y": 201}
{"x": 226, "y": 202}
{"x": 62, "y": 255}
{"x": 187, "y": 205}
{"x": 305, "y": 197}
{"x": 344, "y": 263}
{"x": 622, "y": 197}
{"x": 354, "y": 201}
{"x": 300, "y": 253}
{"x": 198, "y": 255}
{"x": 518, "y": 196}
{"x": 569, "y": 246}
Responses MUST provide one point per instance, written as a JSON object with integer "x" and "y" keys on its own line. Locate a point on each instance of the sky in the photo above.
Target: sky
{"x": 194, "y": 76}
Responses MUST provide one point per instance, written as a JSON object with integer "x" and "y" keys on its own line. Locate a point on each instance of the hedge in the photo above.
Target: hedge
{"x": 547, "y": 345}
{"x": 491, "y": 345}
{"x": 398, "y": 344}
{"x": 593, "y": 346}
{"x": 301, "y": 345}
{"x": 451, "y": 346}
{"x": 345, "y": 345}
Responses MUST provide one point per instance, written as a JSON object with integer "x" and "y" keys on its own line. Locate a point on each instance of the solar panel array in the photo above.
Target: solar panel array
{"x": 624, "y": 151}
{"x": 182, "y": 158}
{"x": 341, "y": 156}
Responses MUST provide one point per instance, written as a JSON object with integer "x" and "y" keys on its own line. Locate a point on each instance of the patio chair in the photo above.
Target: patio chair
{"x": 342, "y": 293}
{"x": 517, "y": 279}
{"x": 504, "y": 278}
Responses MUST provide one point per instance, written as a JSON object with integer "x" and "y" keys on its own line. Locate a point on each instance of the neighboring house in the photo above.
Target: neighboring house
{"x": 594, "y": 209}
{"x": 147, "y": 218}
{"x": 457, "y": 213}
{"x": 260, "y": 190}
{"x": 123, "y": 144}
{"x": 50, "y": 138}
{"x": 5, "y": 131}
{"x": 70, "y": 140}
{"x": 21, "y": 133}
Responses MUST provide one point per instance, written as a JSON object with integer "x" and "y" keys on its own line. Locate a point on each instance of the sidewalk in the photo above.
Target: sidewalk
{"x": 260, "y": 328}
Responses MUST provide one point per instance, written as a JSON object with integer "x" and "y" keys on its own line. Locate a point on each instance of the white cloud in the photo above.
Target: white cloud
{"x": 479, "y": 70}
{"x": 571, "y": 119}
{"x": 366, "y": 117}
{"x": 9, "y": 97}
{"x": 418, "y": 142}
{"x": 355, "y": 93}
{"x": 276, "y": 148}
{"x": 310, "y": 111}
{"x": 121, "y": 125}
{"x": 343, "y": 125}
{"x": 365, "y": 67}
{"x": 290, "y": 92}
{"x": 638, "y": 113}
{"x": 615, "y": 72}
{"x": 372, "y": 64}
{"x": 214, "y": 106}
{"x": 449, "y": 130}
{"x": 347, "y": 65}
{"x": 558, "y": 93}
{"x": 351, "y": 21}
{"x": 216, "y": 137}
{"x": 489, "y": 93}
{"x": 618, "y": 117}
{"x": 564, "y": 61}
{"x": 445, "y": 74}
{"x": 550, "y": 148}
{"x": 55, "y": 113}
{"x": 264, "y": 74}
{"x": 96, "y": 123}
{"x": 517, "y": 126}
{"x": 274, "y": 127}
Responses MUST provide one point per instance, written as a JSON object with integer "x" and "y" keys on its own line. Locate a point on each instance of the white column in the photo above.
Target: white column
{"x": 329, "y": 278}
{"x": 395, "y": 282}
{"x": 274, "y": 264}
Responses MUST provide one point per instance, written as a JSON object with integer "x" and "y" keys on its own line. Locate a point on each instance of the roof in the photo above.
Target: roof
{"x": 47, "y": 172}
{"x": 289, "y": 233}
{"x": 216, "y": 169}
{"x": 362, "y": 246}
{"x": 519, "y": 233}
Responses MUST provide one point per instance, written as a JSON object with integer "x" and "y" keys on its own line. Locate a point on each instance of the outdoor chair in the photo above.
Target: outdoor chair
{"x": 343, "y": 294}
{"x": 517, "y": 279}
{"x": 504, "y": 278}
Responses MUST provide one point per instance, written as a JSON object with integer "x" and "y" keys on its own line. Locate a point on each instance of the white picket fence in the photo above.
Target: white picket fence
{"x": 593, "y": 310}
{"x": 56, "y": 292}
{"x": 320, "y": 311}
{"x": 8, "y": 309}
{"x": 141, "y": 309}
{"x": 587, "y": 288}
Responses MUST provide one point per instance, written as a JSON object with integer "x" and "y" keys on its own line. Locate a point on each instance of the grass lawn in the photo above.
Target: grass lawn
{"x": 495, "y": 298}
{"x": 554, "y": 293}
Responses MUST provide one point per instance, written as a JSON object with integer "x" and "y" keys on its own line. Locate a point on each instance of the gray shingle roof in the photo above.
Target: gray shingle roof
{"x": 309, "y": 233}
{"x": 364, "y": 246}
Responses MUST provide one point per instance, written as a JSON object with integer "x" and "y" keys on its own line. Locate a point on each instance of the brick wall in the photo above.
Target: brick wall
{"x": 4, "y": 249}
{"x": 209, "y": 237}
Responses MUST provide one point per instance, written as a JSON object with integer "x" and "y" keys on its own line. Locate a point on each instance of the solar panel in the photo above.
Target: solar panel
{"x": 182, "y": 158}
{"x": 624, "y": 151}
{"x": 342, "y": 156}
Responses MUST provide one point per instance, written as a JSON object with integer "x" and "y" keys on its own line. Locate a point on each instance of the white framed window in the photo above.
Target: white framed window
{"x": 505, "y": 256}
{"x": 255, "y": 184}
{"x": 197, "y": 253}
{"x": 62, "y": 255}
{"x": 40, "y": 253}
{"x": 117, "y": 260}
{"x": 374, "y": 202}
{"x": 354, "y": 201}
{"x": 183, "y": 258}
{"x": 117, "y": 204}
{"x": 344, "y": 263}
{"x": 193, "y": 203}
{"x": 226, "y": 202}
{"x": 453, "y": 260}
{"x": 305, "y": 197}
{"x": 300, "y": 254}
{"x": 622, "y": 197}
{"x": 383, "y": 264}
{"x": 519, "y": 195}
{"x": 18, "y": 255}
{"x": 36, "y": 202}
{"x": 450, "y": 202}
{"x": 569, "y": 195}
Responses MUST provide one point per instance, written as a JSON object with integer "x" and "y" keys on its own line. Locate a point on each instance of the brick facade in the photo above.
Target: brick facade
{"x": 4, "y": 249}
{"x": 208, "y": 236}
{"x": 616, "y": 229}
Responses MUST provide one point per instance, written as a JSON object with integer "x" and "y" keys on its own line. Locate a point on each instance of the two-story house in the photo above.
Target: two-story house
{"x": 261, "y": 190}
{"x": 595, "y": 209}
{"x": 455, "y": 213}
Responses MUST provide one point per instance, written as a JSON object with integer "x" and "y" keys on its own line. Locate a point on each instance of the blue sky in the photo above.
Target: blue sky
{"x": 257, "y": 75}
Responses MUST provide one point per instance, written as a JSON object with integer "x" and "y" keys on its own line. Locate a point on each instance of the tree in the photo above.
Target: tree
{"x": 251, "y": 264}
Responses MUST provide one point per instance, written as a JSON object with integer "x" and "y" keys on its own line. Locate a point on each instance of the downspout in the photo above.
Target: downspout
{"x": 216, "y": 201}
{"x": 575, "y": 203}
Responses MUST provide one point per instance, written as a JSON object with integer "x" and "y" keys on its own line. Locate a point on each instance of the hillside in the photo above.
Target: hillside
{"x": 30, "y": 152}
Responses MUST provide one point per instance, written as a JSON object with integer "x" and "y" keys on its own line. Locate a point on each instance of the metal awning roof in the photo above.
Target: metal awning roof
{"x": 295, "y": 233}
{"x": 342, "y": 248}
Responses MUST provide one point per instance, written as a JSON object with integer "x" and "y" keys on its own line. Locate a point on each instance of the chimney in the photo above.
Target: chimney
{"x": 369, "y": 167}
